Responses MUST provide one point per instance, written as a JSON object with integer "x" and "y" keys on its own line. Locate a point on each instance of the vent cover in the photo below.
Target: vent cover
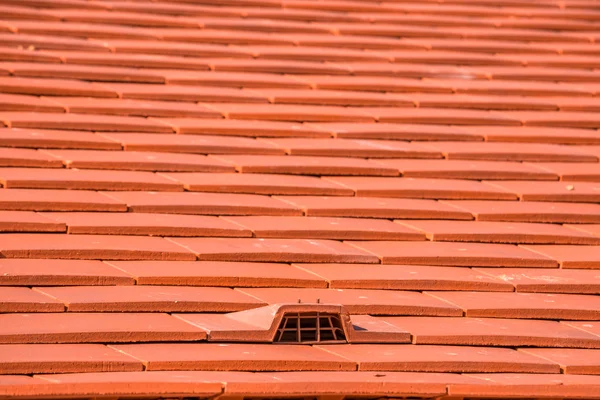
{"x": 310, "y": 327}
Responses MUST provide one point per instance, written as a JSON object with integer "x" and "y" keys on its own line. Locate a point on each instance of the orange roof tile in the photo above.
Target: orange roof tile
{"x": 299, "y": 199}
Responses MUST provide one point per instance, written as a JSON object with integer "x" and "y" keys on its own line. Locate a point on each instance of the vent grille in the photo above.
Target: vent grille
{"x": 310, "y": 327}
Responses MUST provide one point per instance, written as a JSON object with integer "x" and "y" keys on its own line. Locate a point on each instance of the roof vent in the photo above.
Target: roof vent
{"x": 299, "y": 323}
{"x": 310, "y": 327}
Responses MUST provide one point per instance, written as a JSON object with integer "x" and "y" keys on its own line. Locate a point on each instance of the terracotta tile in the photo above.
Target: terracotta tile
{"x": 55, "y": 139}
{"x": 61, "y": 4}
{"x": 290, "y": 112}
{"x": 275, "y": 250}
{"x": 125, "y": 18}
{"x": 263, "y": 25}
{"x": 463, "y": 169}
{"x": 12, "y": 385}
{"x": 353, "y": 148}
{"x": 24, "y": 272}
{"x": 151, "y": 299}
{"x": 27, "y": 158}
{"x": 354, "y": 42}
{"x": 95, "y": 328}
{"x": 135, "y": 383}
{"x": 224, "y": 37}
{"x": 482, "y": 102}
{"x": 458, "y": 254}
{"x": 423, "y": 188}
{"x": 426, "y": 358}
{"x": 203, "y": 203}
{"x": 548, "y": 281}
{"x": 258, "y": 184}
{"x": 584, "y": 49}
{"x": 357, "y": 276}
{"x": 31, "y": 178}
{"x": 354, "y": 383}
{"x": 54, "y": 87}
{"x": 27, "y": 55}
{"x": 359, "y": 301}
{"x": 17, "y": 102}
{"x": 276, "y": 66}
{"x": 549, "y": 12}
{"x": 571, "y": 361}
{"x": 574, "y": 172}
{"x": 235, "y": 127}
{"x": 578, "y": 257}
{"x": 314, "y": 53}
{"x": 517, "y": 88}
{"x": 394, "y": 131}
{"x": 529, "y": 385}
{"x": 368, "y": 207}
{"x": 440, "y": 116}
{"x": 587, "y": 326}
{"x": 538, "y": 73}
{"x": 235, "y": 357}
{"x": 132, "y": 60}
{"x": 376, "y": 84}
{"x": 566, "y": 119}
{"x": 57, "y": 200}
{"x": 511, "y": 152}
{"x": 96, "y": 223}
{"x": 82, "y": 122}
{"x": 378, "y": 30}
{"x": 240, "y": 327}
{"x": 62, "y": 358}
{"x": 326, "y": 228}
{"x": 74, "y": 29}
{"x": 84, "y": 72}
{"x": 21, "y": 299}
{"x": 587, "y": 104}
{"x": 25, "y": 221}
{"x": 91, "y": 247}
{"x": 231, "y": 79}
{"x": 40, "y": 42}
{"x": 369, "y": 329}
{"x": 530, "y": 211}
{"x": 294, "y": 14}
{"x": 578, "y": 192}
{"x": 524, "y": 305}
{"x": 493, "y": 332}
{"x": 178, "y": 93}
{"x": 202, "y": 144}
{"x": 595, "y": 149}
{"x": 217, "y": 273}
{"x": 541, "y": 23}
{"x": 306, "y": 165}
{"x": 334, "y": 97}
{"x": 448, "y": 57}
{"x": 415, "y": 70}
{"x": 481, "y": 45}
{"x": 499, "y": 232}
{"x": 139, "y": 161}
{"x": 533, "y": 134}
{"x": 179, "y": 48}
{"x": 592, "y": 229}
{"x": 15, "y": 12}
{"x": 128, "y": 107}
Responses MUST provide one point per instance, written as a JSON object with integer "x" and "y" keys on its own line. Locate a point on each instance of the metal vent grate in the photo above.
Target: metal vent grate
{"x": 310, "y": 327}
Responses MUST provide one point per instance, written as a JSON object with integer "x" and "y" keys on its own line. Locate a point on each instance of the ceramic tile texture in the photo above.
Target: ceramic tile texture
{"x": 178, "y": 177}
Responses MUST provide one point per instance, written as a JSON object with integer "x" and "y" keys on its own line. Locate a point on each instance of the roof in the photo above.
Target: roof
{"x": 299, "y": 198}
